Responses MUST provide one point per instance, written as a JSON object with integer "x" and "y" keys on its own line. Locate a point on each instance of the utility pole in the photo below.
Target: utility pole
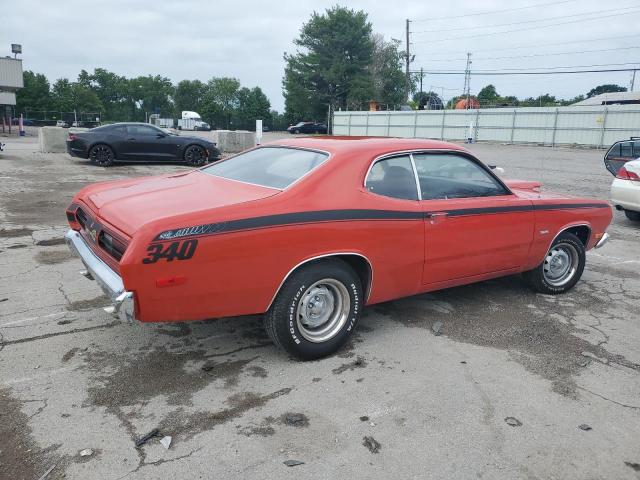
{"x": 407, "y": 87}
{"x": 421, "y": 77}
{"x": 633, "y": 81}
{"x": 467, "y": 81}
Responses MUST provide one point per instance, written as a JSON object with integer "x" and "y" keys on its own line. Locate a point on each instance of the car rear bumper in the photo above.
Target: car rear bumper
{"x": 626, "y": 194}
{"x": 123, "y": 302}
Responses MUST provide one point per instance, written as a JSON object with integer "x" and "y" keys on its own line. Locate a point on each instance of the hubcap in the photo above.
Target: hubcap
{"x": 323, "y": 310}
{"x": 561, "y": 264}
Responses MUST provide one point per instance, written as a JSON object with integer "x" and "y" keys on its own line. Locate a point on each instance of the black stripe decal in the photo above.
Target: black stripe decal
{"x": 348, "y": 215}
{"x": 288, "y": 219}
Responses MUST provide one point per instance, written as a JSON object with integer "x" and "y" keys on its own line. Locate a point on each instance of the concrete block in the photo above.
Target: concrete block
{"x": 231, "y": 141}
{"x": 54, "y": 139}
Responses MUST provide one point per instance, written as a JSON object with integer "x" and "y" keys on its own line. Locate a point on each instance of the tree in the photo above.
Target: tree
{"x": 333, "y": 67}
{"x": 220, "y": 101}
{"x": 386, "y": 71}
{"x": 607, "y": 88}
{"x": 67, "y": 97}
{"x": 113, "y": 92}
{"x": 488, "y": 95}
{"x": 253, "y": 104}
{"x": 189, "y": 95}
{"x": 427, "y": 101}
{"x": 35, "y": 96}
{"x": 151, "y": 94}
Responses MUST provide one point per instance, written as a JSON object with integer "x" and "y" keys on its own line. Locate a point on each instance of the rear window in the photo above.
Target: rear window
{"x": 273, "y": 167}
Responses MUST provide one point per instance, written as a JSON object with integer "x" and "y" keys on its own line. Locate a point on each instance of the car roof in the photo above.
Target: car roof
{"x": 366, "y": 145}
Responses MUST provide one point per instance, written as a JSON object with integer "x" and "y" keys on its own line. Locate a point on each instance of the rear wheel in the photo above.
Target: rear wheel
{"x": 316, "y": 310}
{"x": 101, "y": 155}
{"x": 195, "y": 155}
{"x": 631, "y": 215}
{"x": 296, "y": 131}
{"x": 562, "y": 267}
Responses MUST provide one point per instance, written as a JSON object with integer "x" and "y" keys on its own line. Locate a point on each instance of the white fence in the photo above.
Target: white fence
{"x": 590, "y": 126}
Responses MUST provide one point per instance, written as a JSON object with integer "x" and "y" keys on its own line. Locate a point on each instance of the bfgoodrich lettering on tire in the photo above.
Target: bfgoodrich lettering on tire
{"x": 316, "y": 310}
{"x": 562, "y": 267}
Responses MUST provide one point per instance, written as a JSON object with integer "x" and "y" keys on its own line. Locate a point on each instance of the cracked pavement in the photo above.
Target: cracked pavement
{"x": 397, "y": 402}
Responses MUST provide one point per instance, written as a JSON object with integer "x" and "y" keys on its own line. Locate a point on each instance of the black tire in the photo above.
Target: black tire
{"x": 195, "y": 155}
{"x": 564, "y": 260}
{"x": 330, "y": 283}
{"x": 631, "y": 215}
{"x": 296, "y": 131}
{"x": 102, "y": 155}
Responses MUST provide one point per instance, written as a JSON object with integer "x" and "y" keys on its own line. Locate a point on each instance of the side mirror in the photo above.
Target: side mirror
{"x": 160, "y": 135}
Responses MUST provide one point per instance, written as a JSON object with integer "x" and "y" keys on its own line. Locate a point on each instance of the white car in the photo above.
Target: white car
{"x": 625, "y": 190}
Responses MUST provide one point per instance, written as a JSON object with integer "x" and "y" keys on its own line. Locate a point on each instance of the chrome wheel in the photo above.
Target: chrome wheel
{"x": 561, "y": 264}
{"x": 323, "y": 310}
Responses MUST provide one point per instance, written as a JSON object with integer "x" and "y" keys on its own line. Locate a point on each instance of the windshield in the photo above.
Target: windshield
{"x": 273, "y": 167}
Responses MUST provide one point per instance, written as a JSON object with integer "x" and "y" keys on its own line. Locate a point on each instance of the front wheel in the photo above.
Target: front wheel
{"x": 561, "y": 268}
{"x": 195, "y": 156}
{"x": 631, "y": 215}
{"x": 101, "y": 155}
{"x": 316, "y": 310}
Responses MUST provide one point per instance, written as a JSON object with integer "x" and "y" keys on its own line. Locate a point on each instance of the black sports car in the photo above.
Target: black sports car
{"x": 135, "y": 142}
{"x": 307, "y": 127}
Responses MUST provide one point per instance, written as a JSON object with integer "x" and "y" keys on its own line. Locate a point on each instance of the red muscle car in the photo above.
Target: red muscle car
{"x": 308, "y": 231}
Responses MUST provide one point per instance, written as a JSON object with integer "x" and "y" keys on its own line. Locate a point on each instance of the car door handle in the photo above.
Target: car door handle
{"x": 131, "y": 139}
{"x": 435, "y": 214}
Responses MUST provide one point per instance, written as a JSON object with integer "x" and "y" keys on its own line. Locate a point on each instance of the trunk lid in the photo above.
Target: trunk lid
{"x": 129, "y": 204}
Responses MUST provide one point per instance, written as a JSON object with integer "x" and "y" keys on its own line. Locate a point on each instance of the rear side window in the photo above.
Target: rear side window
{"x": 626, "y": 149}
{"x": 273, "y": 167}
{"x": 636, "y": 149}
{"x": 444, "y": 176}
{"x": 614, "y": 151}
{"x": 393, "y": 177}
{"x": 118, "y": 129}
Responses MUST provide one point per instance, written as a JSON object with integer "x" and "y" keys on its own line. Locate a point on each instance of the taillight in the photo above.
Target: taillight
{"x": 625, "y": 174}
{"x": 71, "y": 137}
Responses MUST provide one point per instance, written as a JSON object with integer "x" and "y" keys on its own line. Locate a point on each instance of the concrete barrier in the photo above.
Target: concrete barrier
{"x": 231, "y": 141}
{"x": 54, "y": 139}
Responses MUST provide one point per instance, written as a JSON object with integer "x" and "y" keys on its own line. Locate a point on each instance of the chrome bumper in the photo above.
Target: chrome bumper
{"x": 110, "y": 282}
{"x": 602, "y": 241}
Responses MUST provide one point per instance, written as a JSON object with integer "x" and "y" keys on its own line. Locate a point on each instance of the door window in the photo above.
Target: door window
{"x": 636, "y": 149}
{"x": 141, "y": 130}
{"x": 444, "y": 176}
{"x": 393, "y": 177}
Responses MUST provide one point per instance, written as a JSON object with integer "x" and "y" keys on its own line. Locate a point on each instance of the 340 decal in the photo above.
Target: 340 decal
{"x": 172, "y": 251}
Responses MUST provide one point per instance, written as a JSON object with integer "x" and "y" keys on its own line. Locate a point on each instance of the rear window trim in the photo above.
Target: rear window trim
{"x": 313, "y": 150}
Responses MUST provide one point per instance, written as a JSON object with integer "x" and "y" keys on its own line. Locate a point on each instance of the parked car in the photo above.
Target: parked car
{"x": 139, "y": 142}
{"x": 309, "y": 231}
{"x": 62, "y": 124}
{"x": 625, "y": 190}
{"x": 307, "y": 127}
{"x": 620, "y": 153}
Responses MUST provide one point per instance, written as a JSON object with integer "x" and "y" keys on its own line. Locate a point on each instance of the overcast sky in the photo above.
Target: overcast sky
{"x": 247, "y": 39}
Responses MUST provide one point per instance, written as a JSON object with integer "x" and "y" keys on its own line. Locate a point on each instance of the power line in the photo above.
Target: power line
{"x": 535, "y": 55}
{"x": 555, "y": 44}
{"x": 492, "y": 12}
{"x": 527, "y": 28}
{"x": 528, "y": 21}
{"x": 486, "y": 72}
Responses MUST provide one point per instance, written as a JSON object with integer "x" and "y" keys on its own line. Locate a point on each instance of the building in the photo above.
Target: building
{"x": 611, "y": 98}
{"x": 10, "y": 81}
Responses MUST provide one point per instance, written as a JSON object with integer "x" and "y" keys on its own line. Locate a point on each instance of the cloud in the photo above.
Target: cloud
{"x": 247, "y": 39}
